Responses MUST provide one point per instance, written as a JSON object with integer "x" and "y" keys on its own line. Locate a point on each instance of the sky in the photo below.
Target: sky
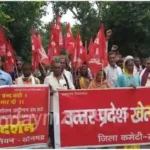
{"x": 68, "y": 17}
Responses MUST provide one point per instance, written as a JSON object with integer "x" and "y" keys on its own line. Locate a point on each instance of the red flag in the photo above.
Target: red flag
{"x": 94, "y": 61}
{"x": 103, "y": 49}
{"x": 3, "y": 43}
{"x": 35, "y": 59}
{"x": 9, "y": 58}
{"x": 42, "y": 54}
{"x": 69, "y": 40}
{"x": 53, "y": 49}
{"x": 79, "y": 53}
{"x": 57, "y": 32}
{"x": 96, "y": 48}
{"x": 80, "y": 48}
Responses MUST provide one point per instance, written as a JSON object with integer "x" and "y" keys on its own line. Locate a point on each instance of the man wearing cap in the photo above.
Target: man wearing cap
{"x": 5, "y": 78}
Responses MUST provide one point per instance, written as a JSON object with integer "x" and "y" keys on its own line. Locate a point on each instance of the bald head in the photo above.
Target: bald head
{"x": 57, "y": 68}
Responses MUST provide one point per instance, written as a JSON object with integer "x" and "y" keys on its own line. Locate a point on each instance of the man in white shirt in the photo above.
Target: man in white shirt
{"x": 65, "y": 72}
{"x": 57, "y": 81}
{"x": 138, "y": 67}
{"x": 145, "y": 74}
{"x": 112, "y": 70}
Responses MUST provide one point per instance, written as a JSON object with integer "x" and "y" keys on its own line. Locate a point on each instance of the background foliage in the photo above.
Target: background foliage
{"x": 128, "y": 20}
{"x": 22, "y": 16}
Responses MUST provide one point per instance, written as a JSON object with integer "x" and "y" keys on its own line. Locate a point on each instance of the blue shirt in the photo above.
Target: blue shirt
{"x": 5, "y": 78}
{"x": 125, "y": 81}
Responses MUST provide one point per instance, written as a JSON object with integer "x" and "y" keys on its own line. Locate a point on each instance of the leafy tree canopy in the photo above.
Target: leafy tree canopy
{"x": 18, "y": 18}
{"x": 128, "y": 20}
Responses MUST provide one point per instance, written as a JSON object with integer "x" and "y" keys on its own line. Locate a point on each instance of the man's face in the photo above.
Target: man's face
{"x": 63, "y": 63}
{"x": 108, "y": 34}
{"x": 137, "y": 61}
{"x": 27, "y": 71}
{"x": 57, "y": 69}
{"x": 19, "y": 65}
{"x": 147, "y": 65}
{"x": 112, "y": 59}
{"x": 120, "y": 64}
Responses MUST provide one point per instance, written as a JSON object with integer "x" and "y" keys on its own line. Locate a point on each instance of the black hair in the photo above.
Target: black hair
{"x": 137, "y": 58}
{"x": 86, "y": 70}
{"x": 111, "y": 53}
{"x": 85, "y": 63}
{"x": 107, "y": 28}
{"x": 147, "y": 59}
{"x": 103, "y": 73}
{"x": 115, "y": 43}
{"x": 119, "y": 61}
{"x": 26, "y": 65}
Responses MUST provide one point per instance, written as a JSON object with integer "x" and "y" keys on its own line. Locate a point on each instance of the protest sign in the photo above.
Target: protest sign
{"x": 103, "y": 118}
{"x": 24, "y": 116}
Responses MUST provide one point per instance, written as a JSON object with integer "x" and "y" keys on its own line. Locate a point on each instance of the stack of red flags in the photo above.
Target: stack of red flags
{"x": 96, "y": 59}
{"x": 56, "y": 40}
{"x": 39, "y": 55}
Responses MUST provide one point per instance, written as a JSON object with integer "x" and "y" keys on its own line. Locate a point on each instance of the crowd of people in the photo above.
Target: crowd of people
{"x": 120, "y": 72}
{"x": 124, "y": 72}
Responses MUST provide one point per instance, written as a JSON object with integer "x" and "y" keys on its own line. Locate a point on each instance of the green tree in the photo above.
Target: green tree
{"x": 25, "y": 15}
{"x": 85, "y": 13}
{"x": 46, "y": 33}
{"x": 128, "y": 20}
